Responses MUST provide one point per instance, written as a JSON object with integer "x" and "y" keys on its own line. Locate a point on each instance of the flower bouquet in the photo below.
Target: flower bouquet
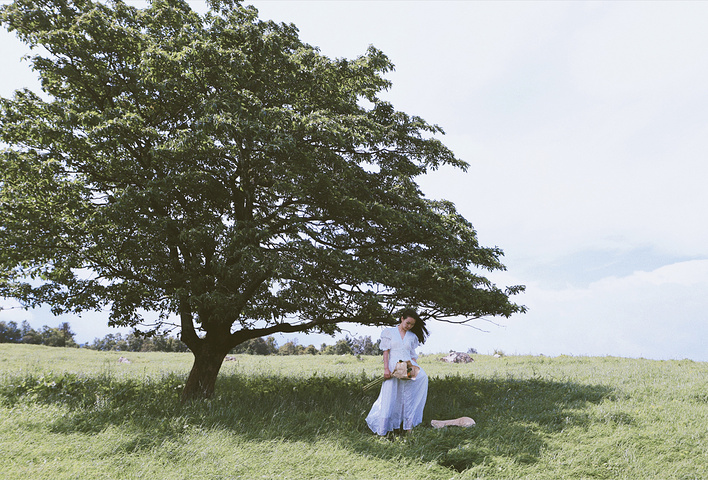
{"x": 404, "y": 370}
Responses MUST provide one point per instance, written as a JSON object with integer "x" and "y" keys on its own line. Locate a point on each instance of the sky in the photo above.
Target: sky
{"x": 585, "y": 126}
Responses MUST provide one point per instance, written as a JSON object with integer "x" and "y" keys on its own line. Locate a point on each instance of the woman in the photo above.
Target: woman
{"x": 400, "y": 403}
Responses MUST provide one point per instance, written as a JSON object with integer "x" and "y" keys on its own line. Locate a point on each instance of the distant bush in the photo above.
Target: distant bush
{"x": 364, "y": 346}
{"x": 257, "y": 346}
{"x": 10, "y": 333}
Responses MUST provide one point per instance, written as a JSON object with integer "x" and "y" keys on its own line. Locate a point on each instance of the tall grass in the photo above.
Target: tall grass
{"x": 75, "y": 414}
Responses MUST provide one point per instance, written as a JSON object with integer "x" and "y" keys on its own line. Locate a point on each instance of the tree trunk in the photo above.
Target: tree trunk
{"x": 202, "y": 378}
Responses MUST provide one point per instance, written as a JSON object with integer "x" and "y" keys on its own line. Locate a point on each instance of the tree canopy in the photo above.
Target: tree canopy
{"x": 216, "y": 169}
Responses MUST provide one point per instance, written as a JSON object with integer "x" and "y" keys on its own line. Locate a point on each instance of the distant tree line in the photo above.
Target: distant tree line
{"x": 346, "y": 346}
{"x": 62, "y": 336}
{"x": 159, "y": 342}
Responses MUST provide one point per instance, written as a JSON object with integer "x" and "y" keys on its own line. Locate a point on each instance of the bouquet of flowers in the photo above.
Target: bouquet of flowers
{"x": 404, "y": 370}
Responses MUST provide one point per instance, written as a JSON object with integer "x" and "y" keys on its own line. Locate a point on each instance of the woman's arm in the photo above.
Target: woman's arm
{"x": 387, "y": 371}
{"x": 414, "y": 344}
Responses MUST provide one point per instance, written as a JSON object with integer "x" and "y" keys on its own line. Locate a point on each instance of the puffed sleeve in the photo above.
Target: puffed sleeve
{"x": 386, "y": 339}
{"x": 414, "y": 345}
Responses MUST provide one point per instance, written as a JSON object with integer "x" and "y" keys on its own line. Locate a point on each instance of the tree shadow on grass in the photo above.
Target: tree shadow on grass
{"x": 514, "y": 416}
{"x": 145, "y": 410}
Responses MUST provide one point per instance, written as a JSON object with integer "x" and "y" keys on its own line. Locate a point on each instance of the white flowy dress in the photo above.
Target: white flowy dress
{"x": 400, "y": 402}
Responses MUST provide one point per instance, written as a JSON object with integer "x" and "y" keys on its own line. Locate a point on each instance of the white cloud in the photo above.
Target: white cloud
{"x": 632, "y": 50}
{"x": 597, "y": 141}
{"x": 659, "y": 314}
{"x": 16, "y": 74}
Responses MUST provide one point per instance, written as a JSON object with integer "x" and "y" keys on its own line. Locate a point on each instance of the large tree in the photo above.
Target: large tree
{"x": 217, "y": 170}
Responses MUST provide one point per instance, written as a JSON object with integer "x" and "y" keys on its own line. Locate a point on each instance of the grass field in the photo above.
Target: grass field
{"x": 80, "y": 414}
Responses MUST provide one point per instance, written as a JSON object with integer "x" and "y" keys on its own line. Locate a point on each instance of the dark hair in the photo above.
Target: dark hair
{"x": 419, "y": 328}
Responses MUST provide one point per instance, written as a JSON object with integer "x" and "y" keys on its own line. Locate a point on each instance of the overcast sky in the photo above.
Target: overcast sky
{"x": 585, "y": 125}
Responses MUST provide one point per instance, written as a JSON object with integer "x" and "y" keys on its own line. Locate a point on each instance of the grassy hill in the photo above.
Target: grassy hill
{"x": 81, "y": 414}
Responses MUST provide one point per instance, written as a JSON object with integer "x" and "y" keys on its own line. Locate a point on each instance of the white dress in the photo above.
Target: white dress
{"x": 400, "y": 402}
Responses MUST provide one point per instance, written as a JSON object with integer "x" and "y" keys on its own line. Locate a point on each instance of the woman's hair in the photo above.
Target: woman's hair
{"x": 419, "y": 328}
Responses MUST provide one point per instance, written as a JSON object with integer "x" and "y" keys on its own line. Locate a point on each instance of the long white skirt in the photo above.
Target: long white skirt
{"x": 400, "y": 404}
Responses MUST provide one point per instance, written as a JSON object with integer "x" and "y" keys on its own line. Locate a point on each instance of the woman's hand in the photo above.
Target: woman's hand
{"x": 387, "y": 373}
